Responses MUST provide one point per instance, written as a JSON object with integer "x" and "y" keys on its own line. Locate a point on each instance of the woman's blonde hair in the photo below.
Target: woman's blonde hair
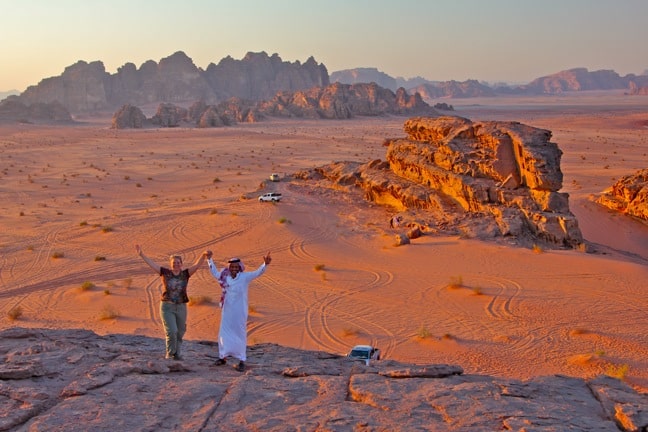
{"x": 174, "y": 257}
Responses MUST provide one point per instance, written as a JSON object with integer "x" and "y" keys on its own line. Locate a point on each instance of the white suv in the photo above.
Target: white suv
{"x": 270, "y": 196}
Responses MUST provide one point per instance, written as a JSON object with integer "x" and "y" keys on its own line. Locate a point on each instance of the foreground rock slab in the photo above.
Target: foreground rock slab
{"x": 73, "y": 380}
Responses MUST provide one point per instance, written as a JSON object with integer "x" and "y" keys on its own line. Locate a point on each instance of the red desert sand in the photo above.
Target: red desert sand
{"x": 75, "y": 200}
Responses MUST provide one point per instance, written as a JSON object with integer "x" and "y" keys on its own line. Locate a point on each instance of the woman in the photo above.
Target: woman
{"x": 173, "y": 305}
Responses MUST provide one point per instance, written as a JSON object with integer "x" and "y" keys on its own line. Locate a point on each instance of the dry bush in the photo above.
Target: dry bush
{"x": 86, "y": 286}
{"x": 108, "y": 312}
{"x": 617, "y": 371}
{"x": 348, "y": 331}
{"x": 57, "y": 255}
{"x": 14, "y": 313}
{"x": 455, "y": 282}
{"x": 318, "y": 267}
{"x": 423, "y": 332}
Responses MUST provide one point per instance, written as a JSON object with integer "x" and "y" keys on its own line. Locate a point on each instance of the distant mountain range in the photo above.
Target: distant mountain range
{"x": 87, "y": 87}
{"x": 578, "y": 79}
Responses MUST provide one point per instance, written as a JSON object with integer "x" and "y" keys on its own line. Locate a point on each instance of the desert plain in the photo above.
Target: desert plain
{"x": 75, "y": 199}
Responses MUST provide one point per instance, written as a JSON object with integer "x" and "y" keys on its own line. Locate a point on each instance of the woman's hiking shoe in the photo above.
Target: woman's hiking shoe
{"x": 220, "y": 362}
{"x": 241, "y": 366}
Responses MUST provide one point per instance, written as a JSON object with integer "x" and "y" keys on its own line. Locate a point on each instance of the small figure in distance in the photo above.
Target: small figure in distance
{"x": 173, "y": 304}
{"x": 234, "y": 282}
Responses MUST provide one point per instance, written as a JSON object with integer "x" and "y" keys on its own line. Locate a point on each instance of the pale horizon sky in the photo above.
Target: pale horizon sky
{"x": 512, "y": 41}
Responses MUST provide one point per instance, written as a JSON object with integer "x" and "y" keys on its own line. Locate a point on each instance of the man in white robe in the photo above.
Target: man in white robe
{"x": 234, "y": 282}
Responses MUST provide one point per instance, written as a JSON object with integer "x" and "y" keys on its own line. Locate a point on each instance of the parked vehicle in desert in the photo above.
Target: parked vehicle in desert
{"x": 274, "y": 177}
{"x": 365, "y": 353}
{"x": 270, "y": 196}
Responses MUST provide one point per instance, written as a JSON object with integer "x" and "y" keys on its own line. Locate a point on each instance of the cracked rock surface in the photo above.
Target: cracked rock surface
{"x": 77, "y": 380}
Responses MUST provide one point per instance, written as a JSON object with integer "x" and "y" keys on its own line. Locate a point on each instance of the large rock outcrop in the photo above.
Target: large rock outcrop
{"x": 87, "y": 87}
{"x": 75, "y": 380}
{"x": 12, "y": 110}
{"x": 483, "y": 179}
{"x": 628, "y": 195}
{"x": 335, "y": 101}
{"x": 128, "y": 117}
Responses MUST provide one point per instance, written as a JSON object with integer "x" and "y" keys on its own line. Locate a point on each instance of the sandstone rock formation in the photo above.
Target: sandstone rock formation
{"x": 342, "y": 101}
{"x": 87, "y": 87}
{"x": 481, "y": 179}
{"x": 336, "y": 101}
{"x": 628, "y": 195}
{"x": 169, "y": 115}
{"x": 12, "y": 110}
{"x": 75, "y": 380}
{"x": 128, "y": 117}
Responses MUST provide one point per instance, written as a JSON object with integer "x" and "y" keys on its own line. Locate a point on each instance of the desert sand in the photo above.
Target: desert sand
{"x": 75, "y": 200}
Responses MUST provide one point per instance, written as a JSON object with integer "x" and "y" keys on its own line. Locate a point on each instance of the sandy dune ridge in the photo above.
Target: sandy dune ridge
{"x": 89, "y": 193}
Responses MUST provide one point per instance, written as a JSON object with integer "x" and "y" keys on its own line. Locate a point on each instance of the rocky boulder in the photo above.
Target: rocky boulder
{"x": 76, "y": 380}
{"x": 481, "y": 179}
{"x": 11, "y": 109}
{"x": 169, "y": 115}
{"x": 343, "y": 101}
{"x": 128, "y": 117}
{"x": 628, "y": 195}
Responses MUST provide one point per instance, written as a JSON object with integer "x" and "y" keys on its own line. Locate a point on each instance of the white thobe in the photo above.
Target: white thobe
{"x": 232, "y": 335}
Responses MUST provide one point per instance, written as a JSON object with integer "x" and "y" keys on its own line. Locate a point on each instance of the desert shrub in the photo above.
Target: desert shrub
{"x": 83, "y": 223}
{"x": 455, "y": 282}
{"x": 423, "y": 332}
{"x": 106, "y": 292}
{"x": 86, "y": 286}
{"x": 283, "y": 220}
{"x": 578, "y": 331}
{"x": 477, "y": 291}
{"x": 348, "y": 331}
{"x": 128, "y": 282}
{"x": 57, "y": 255}
{"x": 14, "y": 313}
{"x": 108, "y": 312}
{"x": 107, "y": 229}
{"x": 617, "y": 371}
{"x": 447, "y": 336}
{"x": 100, "y": 258}
{"x": 319, "y": 267}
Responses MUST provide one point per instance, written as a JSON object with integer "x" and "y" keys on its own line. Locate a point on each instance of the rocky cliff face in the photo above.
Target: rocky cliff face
{"x": 481, "y": 179}
{"x": 12, "y": 110}
{"x": 75, "y": 380}
{"x": 87, "y": 87}
{"x": 335, "y": 101}
{"x": 628, "y": 195}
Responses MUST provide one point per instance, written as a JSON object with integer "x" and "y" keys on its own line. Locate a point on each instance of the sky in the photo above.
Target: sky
{"x": 513, "y": 41}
